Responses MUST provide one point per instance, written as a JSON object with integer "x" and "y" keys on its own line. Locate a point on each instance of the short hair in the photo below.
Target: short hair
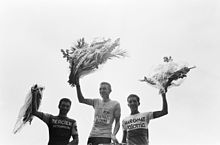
{"x": 106, "y": 83}
{"x": 133, "y": 95}
{"x": 65, "y": 100}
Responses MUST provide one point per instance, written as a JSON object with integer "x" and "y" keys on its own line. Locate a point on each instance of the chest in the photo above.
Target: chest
{"x": 105, "y": 109}
{"x": 135, "y": 122}
{"x": 58, "y": 123}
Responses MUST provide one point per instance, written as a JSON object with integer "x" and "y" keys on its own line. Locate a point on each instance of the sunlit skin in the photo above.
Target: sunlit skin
{"x": 104, "y": 91}
{"x": 64, "y": 108}
{"x": 133, "y": 104}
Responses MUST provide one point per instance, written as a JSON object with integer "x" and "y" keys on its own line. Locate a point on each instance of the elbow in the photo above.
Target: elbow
{"x": 118, "y": 125}
{"x": 35, "y": 113}
{"x": 77, "y": 141}
{"x": 166, "y": 112}
{"x": 81, "y": 100}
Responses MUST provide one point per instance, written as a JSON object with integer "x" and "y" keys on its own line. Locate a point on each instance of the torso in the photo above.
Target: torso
{"x": 103, "y": 118}
{"x": 60, "y": 130}
{"x": 137, "y": 128}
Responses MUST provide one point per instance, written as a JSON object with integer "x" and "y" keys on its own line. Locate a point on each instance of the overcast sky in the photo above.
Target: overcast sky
{"x": 33, "y": 32}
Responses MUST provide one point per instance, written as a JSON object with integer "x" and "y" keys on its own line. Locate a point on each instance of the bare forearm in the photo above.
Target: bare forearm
{"x": 34, "y": 108}
{"x": 164, "y": 110}
{"x": 124, "y": 136}
{"x": 79, "y": 93}
{"x": 116, "y": 128}
{"x": 34, "y": 103}
{"x": 81, "y": 97}
{"x": 165, "y": 106}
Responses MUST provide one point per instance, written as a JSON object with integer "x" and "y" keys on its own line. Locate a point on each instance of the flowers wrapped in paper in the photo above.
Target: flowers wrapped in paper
{"x": 85, "y": 58}
{"x": 25, "y": 114}
{"x": 167, "y": 74}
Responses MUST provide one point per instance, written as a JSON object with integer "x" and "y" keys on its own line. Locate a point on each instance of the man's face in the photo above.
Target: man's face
{"x": 133, "y": 103}
{"x": 104, "y": 91}
{"x": 64, "y": 107}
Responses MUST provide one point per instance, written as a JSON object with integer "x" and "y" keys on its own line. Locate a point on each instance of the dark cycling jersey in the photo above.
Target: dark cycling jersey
{"x": 60, "y": 129}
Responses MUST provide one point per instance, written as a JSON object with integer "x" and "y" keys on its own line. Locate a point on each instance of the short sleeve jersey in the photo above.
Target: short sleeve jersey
{"x": 137, "y": 128}
{"x": 60, "y": 129}
{"x": 105, "y": 113}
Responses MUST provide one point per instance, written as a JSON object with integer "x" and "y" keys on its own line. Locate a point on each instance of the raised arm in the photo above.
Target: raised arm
{"x": 164, "y": 110}
{"x": 80, "y": 96}
{"x": 35, "y": 112}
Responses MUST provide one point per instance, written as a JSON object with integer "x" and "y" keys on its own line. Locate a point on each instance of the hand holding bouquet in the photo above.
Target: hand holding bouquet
{"x": 25, "y": 114}
{"x": 167, "y": 74}
{"x": 85, "y": 58}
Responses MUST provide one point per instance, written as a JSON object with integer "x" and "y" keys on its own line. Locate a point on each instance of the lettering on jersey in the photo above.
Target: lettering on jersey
{"x": 134, "y": 120}
{"x": 61, "y": 126}
{"x": 103, "y": 118}
{"x": 135, "y": 123}
{"x": 135, "y": 126}
{"x": 58, "y": 123}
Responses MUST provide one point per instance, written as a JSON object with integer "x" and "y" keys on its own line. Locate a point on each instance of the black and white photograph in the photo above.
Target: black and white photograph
{"x": 109, "y": 72}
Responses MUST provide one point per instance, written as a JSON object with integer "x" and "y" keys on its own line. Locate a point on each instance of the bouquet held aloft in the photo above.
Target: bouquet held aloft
{"x": 85, "y": 58}
{"x": 25, "y": 115}
{"x": 167, "y": 74}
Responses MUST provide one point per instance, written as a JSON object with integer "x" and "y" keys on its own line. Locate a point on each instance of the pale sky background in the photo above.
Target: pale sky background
{"x": 33, "y": 32}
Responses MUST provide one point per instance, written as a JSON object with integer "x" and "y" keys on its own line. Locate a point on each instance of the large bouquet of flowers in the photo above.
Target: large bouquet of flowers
{"x": 25, "y": 114}
{"x": 167, "y": 74}
{"x": 85, "y": 58}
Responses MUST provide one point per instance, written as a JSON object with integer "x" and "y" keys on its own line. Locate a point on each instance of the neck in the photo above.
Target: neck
{"x": 62, "y": 115}
{"x": 134, "y": 112}
{"x": 106, "y": 100}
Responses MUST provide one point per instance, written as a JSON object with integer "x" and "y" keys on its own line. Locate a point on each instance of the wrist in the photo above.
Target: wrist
{"x": 113, "y": 136}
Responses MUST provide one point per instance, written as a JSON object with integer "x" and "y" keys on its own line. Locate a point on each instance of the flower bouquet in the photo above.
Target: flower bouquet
{"x": 167, "y": 74}
{"x": 25, "y": 114}
{"x": 85, "y": 58}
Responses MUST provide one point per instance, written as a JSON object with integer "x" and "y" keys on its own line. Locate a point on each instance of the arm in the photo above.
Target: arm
{"x": 40, "y": 115}
{"x": 75, "y": 136}
{"x": 124, "y": 137}
{"x": 117, "y": 115}
{"x": 164, "y": 110}
{"x": 80, "y": 96}
{"x": 116, "y": 128}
